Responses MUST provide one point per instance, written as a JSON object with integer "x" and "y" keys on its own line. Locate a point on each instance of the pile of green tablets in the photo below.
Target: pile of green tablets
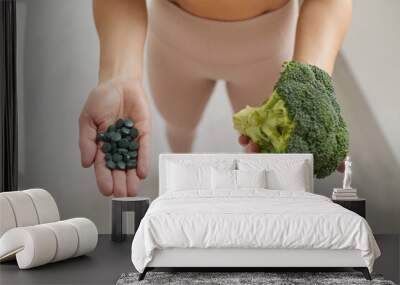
{"x": 120, "y": 145}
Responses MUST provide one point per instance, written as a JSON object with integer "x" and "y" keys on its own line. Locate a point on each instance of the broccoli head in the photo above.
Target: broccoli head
{"x": 301, "y": 116}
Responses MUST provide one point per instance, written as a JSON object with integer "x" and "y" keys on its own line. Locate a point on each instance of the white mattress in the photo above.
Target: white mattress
{"x": 252, "y": 218}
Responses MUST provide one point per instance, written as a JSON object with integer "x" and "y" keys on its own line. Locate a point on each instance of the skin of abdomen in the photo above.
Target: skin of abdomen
{"x": 229, "y": 10}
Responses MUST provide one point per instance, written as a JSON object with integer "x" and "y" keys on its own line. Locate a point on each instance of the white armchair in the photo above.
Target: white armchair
{"x": 31, "y": 230}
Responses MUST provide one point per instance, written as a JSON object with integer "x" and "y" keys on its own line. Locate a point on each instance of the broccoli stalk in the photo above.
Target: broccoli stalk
{"x": 301, "y": 116}
{"x": 268, "y": 126}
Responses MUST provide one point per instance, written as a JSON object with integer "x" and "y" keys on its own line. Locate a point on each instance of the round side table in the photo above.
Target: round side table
{"x": 139, "y": 205}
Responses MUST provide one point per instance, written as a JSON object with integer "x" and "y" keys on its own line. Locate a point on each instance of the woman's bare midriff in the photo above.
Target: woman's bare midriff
{"x": 229, "y": 10}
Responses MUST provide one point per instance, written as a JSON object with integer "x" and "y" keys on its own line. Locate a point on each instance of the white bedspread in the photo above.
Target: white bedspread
{"x": 250, "y": 218}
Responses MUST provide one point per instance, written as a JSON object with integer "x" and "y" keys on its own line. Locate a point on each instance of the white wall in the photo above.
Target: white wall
{"x": 372, "y": 50}
{"x": 371, "y": 53}
{"x": 60, "y": 59}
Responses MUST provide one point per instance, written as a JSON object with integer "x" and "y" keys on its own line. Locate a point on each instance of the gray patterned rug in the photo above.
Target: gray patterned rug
{"x": 269, "y": 278}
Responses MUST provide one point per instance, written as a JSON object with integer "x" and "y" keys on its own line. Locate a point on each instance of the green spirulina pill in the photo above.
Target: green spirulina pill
{"x": 116, "y": 157}
{"x": 111, "y": 129}
{"x": 133, "y": 145}
{"x": 131, "y": 164}
{"x": 125, "y": 131}
{"x": 107, "y": 147}
{"x": 134, "y": 133}
{"x": 132, "y": 154}
{"x": 128, "y": 123}
{"x": 106, "y": 137}
{"x": 122, "y": 150}
{"x": 114, "y": 147}
{"x": 126, "y": 157}
{"x": 121, "y": 165}
{"x": 119, "y": 124}
{"x": 120, "y": 147}
{"x": 100, "y": 137}
{"x": 115, "y": 136}
{"x": 123, "y": 143}
{"x": 110, "y": 164}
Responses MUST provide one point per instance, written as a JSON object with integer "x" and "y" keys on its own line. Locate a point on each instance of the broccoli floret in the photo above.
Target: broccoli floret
{"x": 301, "y": 116}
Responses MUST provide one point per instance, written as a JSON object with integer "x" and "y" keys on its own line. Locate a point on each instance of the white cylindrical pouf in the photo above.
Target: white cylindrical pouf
{"x": 67, "y": 239}
{"x": 40, "y": 244}
{"x": 45, "y": 205}
{"x": 7, "y": 218}
{"x": 87, "y": 234}
{"x": 23, "y": 208}
{"x": 34, "y": 245}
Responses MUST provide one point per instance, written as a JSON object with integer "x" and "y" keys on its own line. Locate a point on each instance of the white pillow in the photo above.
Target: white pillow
{"x": 293, "y": 179}
{"x": 281, "y": 174}
{"x": 223, "y": 179}
{"x": 187, "y": 177}
{"x": 251, "y": 178}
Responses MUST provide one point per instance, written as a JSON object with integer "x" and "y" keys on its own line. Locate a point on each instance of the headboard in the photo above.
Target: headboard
{"x": 210, "y": 157}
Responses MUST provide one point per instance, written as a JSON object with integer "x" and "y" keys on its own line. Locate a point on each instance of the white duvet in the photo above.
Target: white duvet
{"x": 252, "y": 218}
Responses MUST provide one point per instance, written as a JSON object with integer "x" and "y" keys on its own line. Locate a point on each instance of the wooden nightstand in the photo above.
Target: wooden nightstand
{"x": 357, "y": 205}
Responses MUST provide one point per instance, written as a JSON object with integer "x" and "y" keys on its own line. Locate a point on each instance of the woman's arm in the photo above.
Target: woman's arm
{"x": 122, "y": 26}
{"x": 321, "y": 28}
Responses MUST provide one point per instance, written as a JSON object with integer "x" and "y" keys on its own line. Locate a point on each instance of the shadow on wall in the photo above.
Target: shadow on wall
{"x": 376, "y": 172}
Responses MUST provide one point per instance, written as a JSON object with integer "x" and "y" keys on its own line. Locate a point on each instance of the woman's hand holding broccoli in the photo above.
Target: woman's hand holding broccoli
{"x": 301, "y": 116}
{"x": 110, "y": 100}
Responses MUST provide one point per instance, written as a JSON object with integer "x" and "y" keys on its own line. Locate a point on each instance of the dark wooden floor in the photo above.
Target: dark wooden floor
{"x": 102, "y": 266}
{"x": 110, "y": 260}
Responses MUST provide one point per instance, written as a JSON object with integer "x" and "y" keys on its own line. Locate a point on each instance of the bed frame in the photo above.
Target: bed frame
{"x": 246, "y": 259}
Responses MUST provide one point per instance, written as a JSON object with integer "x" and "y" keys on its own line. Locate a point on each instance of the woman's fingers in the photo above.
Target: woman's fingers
{"x": 252, "y": 147}
{"x": 248, "y": 144}
{"x": 244, "y": 140}
{"x": 103, "y": 175}
{"x": 87, "y": 140}
{"x": 143, "y": 156}
{"x": 119, "y": 179}
{"x": 132, "y": 181}
{"x": 117, "y": 182}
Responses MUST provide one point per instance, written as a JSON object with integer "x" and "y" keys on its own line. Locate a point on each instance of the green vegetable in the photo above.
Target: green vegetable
{"x": 301, "y": 116}
{"x": 119, "y": 145}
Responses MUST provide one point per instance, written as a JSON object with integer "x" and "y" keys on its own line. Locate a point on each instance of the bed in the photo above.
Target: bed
{"x": 247, "y": 211}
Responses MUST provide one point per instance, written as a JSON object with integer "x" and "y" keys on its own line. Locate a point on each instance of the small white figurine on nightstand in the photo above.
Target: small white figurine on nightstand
{"x": 346, "y": 192}
{"x": 347, "y": 173}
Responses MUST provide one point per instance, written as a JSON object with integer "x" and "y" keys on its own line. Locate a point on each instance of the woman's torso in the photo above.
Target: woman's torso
{"x": 229, "y": 10}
